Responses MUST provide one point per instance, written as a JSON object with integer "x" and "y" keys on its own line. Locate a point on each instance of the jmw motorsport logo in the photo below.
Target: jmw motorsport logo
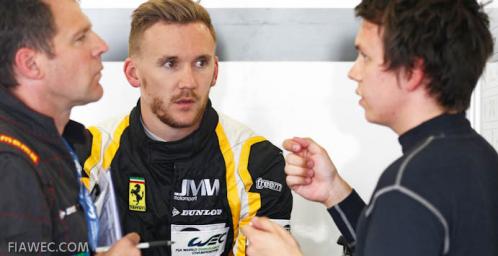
{"x": 191, "y": 189}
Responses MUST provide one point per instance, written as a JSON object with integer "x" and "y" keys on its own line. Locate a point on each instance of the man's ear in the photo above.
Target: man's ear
{"x": 131, "y": 72}
{"x": 215, "y": 73}
{"x": 416, "y": 77}
{"x": 27, "y": 64}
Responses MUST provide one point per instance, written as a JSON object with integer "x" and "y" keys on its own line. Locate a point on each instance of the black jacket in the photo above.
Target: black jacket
{"x": 38, "y": 181}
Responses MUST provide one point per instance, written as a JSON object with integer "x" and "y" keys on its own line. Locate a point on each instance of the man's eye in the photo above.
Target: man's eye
{"x": 364, "y": 56}
{"x": 81, "y": 38}
{"x": 201, "y": 63}
{"x": 169, "y": 64}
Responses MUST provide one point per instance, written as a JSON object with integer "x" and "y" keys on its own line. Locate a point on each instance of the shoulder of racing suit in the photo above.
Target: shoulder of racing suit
{"x": 104, "y": 144}
{"x": 258, "y": 177}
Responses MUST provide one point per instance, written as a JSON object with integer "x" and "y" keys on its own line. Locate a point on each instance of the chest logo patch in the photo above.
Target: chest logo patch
{"x": 136, "y": 198}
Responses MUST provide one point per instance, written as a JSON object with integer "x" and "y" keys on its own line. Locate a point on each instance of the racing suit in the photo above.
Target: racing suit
{"x": 198, "y": 191}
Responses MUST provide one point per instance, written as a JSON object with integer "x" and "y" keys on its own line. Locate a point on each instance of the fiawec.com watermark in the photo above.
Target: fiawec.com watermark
{"x": 47, "y": 247}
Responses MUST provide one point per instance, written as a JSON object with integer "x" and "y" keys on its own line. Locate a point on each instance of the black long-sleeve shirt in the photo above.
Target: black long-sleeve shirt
{"x": 439, "y": 198}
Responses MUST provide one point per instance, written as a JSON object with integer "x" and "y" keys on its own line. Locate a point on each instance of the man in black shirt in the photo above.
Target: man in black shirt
{"x": 418, "y": 63}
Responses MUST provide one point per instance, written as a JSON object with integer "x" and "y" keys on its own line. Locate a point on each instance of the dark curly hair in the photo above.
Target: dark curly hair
{"x": 452, "y": 37}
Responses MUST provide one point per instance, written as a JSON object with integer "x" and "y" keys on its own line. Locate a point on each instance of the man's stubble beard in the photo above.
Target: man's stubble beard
{"x": 168, "y": 119}
{"x": 157, "y": 107}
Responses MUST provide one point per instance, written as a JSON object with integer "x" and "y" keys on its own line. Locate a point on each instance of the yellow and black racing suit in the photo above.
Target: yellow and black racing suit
{"x": 198, "y": 191}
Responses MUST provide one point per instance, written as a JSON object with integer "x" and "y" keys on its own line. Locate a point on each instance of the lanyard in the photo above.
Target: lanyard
{"x": 86, "y": 202}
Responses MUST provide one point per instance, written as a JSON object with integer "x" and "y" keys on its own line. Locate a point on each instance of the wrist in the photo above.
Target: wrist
{"x": 339, "y": 190}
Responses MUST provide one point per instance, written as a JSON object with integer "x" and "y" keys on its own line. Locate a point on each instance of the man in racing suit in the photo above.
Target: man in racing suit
{"x": 182, "y": 171}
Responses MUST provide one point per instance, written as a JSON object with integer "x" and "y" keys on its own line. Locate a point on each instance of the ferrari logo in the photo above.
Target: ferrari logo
{"x": 136, "y": 198}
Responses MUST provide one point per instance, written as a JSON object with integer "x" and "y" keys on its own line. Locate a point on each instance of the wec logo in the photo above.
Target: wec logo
{"x": 213, "y": 240}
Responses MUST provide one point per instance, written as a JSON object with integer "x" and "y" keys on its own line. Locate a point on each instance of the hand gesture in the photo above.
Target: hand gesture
{"x": 312, "y": 174}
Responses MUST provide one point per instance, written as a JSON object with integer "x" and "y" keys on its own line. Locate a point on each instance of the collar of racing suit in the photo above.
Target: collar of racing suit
{"x": 39, "y": 125}
{"x": 158, "y": 151}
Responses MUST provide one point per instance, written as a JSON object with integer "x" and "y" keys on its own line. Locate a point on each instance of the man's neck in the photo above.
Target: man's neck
{"x": 165, "y": 132}
{"x": 150, "y": 134}
{"x": 162, "y": 130}
{"x": 36, "y": 102}
{"x": 413, "y": 115}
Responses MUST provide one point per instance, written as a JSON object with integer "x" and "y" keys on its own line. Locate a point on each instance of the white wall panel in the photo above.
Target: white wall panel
{"x": 254, "y": 34}
{"x": 489, "y": 104}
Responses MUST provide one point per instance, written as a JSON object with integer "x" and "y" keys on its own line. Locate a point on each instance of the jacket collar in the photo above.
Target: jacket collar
{"x": 27, "y": 121}
{"x": 23, "y": 118}
{"x": 157, "y": 151}
{"x": 445, "y": 124}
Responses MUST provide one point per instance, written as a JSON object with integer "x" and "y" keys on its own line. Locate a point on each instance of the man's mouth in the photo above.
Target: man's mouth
{"x": 185, "y": 101}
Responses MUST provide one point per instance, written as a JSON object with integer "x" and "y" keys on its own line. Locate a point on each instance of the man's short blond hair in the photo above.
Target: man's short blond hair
{"x": 169, "y": 12}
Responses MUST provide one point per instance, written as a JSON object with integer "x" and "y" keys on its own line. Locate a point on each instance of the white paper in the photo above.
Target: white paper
{"x": 107, "y": 211}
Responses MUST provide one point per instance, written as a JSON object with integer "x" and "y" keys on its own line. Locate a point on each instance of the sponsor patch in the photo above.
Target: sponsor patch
{"x": 175, "y": 212}
{"x": 191, "y": 189}
{"x": 136, "y": 198}
{"x": 268, "y": 184}
{"x": 212, "y": 212}
{"x": 206, "y": 240}
{"x": 21, "y": 146}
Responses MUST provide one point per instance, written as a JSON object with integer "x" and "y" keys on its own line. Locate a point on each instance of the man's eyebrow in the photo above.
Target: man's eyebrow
{"x": 166, "y": 58}
{"x": 82, "y": 30}
{"x": 204, "y": 56}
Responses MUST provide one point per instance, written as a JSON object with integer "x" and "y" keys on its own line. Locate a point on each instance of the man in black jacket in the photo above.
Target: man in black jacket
{"x": 418, "y": 63}
{"x": 50, "y": 62}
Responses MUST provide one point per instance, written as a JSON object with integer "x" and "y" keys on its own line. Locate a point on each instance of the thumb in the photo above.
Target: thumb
{"x": 312, "y": 146}
{"x": 266, "y": 225}
{"x": 249, "y": 231}
{"x": 262, "y": 223}
{"x": 134, "y": 238}
{"x": 292, "y": 146}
